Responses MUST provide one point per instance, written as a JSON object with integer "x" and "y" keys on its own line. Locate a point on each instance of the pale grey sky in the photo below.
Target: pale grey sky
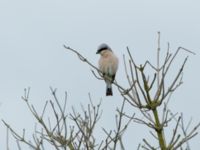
{"x": 32, "y": 33}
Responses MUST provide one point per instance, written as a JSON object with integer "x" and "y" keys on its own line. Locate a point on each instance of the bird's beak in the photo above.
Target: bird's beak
{"x": 97, "y": 52}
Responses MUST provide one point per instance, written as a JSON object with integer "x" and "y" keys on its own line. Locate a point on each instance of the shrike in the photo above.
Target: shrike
{"x": 108, "y": 65}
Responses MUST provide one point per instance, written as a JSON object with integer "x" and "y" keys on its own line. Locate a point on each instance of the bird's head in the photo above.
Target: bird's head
{"x": 103, "y": 47}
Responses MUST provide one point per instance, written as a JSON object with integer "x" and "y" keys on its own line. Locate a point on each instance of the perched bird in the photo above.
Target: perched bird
{"x": 108, "y": 65}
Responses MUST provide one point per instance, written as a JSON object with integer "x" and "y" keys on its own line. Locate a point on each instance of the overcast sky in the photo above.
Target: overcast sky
{"x": 32, "y": 34}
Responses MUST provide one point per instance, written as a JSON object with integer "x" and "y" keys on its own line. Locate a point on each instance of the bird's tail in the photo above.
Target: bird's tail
{"x": 109, "y": 89}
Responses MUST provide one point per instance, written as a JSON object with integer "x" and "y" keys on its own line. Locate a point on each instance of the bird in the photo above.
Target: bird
{"x": 108, "y": 65}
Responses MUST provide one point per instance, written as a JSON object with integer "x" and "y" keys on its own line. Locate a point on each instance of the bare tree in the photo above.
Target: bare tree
{"x": 73, "y": 131}
{"x": 149, "y": 91}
